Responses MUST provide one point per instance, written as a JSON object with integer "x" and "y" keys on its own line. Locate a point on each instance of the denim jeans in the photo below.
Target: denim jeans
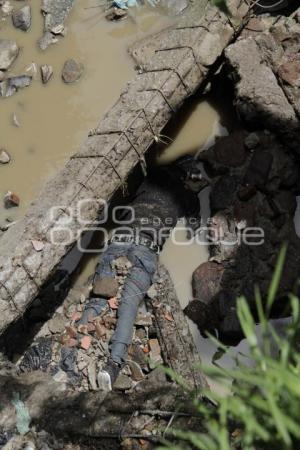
{"x": 139, "y": 279}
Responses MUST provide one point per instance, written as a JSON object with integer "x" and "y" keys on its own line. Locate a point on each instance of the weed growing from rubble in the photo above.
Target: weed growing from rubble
{"x": 264, "y": 408}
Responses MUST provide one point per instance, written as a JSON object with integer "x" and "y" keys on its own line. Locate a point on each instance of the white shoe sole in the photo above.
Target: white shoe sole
{"x": 104, "y": 381}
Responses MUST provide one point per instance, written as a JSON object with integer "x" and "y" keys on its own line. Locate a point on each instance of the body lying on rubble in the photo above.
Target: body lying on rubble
{"x": 167, "y": 194}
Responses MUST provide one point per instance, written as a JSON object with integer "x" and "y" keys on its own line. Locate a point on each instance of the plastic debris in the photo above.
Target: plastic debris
{"x": 37, "y": 357}
{"x": 125, "y": 4}
{"x": 23, "y": 416}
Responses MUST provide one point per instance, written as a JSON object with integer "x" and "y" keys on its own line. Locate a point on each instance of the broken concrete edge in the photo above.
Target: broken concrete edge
{"x": 105, "y": 160}
{"x": 264, "y": 94}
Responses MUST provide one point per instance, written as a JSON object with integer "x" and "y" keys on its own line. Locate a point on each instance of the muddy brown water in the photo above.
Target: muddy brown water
{"x": 55, "y": 119}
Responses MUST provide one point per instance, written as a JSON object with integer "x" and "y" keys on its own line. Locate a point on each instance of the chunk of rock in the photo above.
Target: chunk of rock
{"x": 72, "y": 71}
{"x": 136, "y": 371}
{"x": 15, "y": 120}
{"x": 46, "y": 73}
{"x": 155, "y": 352}
{"x": 46, "y": 40}
{"x": 9, "y": 50}
{"x": 206, "y": 281}
{"x": 11, "y": 85}
{"x": 22, "y": 18}
{"x": 152, "y": 292}
{"x": 11, "y": 200}
{"x": 4, "y": 157}
{"x": 56, "y": 324}
{"x": 123, "y": 382}
{"x": 290, "y": 72}
{"x": 92, "y": 376}
{"x": 106, "y": 287}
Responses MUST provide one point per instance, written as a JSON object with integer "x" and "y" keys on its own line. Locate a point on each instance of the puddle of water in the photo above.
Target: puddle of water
{"x": 200, "y": 123}
{"x": 55, "y": 118}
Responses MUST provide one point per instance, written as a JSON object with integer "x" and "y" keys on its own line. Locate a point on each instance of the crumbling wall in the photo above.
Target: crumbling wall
{"x": 112, "y": 150}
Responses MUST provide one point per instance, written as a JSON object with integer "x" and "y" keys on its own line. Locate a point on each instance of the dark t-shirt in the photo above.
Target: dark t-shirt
{"x": 159, "y": 202}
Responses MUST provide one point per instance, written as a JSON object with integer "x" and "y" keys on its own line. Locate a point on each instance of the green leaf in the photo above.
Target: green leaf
{"x": 278, "y": 419}
{"x": 276, "y": 278}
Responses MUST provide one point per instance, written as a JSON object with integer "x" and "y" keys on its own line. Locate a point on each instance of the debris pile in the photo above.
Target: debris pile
{"x": 75, "y": 352}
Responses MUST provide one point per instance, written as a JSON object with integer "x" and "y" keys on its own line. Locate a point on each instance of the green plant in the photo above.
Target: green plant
{"x": 263, "y": 409}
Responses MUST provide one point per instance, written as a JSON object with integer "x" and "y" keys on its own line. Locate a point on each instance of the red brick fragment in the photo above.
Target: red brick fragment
{"x": 86, "y": 342}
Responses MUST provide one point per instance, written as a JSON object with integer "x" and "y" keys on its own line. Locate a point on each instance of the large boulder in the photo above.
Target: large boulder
{"x": 9, "y": 50}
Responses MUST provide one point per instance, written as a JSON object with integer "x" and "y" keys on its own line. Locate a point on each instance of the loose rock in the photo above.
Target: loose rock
{"x": 16, "y": 120}
{"x": 11, "y": 200}
{"x": 46, "y": 73}
{"x": 207, "y": 280}
{"x": 72, "y": 71}
{"x": 152, "y": 292}
{"x": 11, "y": 85}
{"x": 9, "y": 50}
{"x": 56, "y": 324}
{"x": 47, "y": 40}
{"x": 106, "y": 287}
{"x": 22, "y": 18}
{"x": 123, "y": 383}
{"x": 4, "y": 157}
{"x": 290, "y": 72}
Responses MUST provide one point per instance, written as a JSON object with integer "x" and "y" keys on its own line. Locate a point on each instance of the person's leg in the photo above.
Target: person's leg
{"x": 103, "y": 270}
{"x": 144, "y": 264}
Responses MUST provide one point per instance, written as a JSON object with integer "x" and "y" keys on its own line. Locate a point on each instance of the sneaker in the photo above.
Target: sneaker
{"x": 108, "y": 376}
